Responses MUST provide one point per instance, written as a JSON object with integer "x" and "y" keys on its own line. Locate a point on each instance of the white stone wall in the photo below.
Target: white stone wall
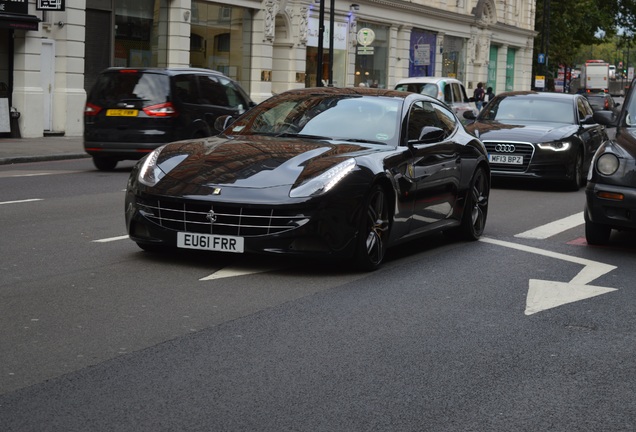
{"x": 278, "y": 61}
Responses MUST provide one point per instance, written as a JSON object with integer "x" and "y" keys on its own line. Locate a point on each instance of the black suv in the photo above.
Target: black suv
{"x": 131, "y": 111}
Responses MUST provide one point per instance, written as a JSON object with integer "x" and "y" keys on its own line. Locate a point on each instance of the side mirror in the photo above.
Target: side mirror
{"x": 470, "y": 115}
{"x": 605, "y": 118}
{"x": 222, "y": 122}
{"x": 429, "y": 135}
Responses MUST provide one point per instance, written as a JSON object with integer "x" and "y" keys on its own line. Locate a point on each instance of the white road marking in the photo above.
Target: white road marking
{"x": 111, "y": 239}
{"x": 553, "y": 228}
{"x": 21, "y": 201}
{"x": 31, "y": 175}
{"x": 543, "y": 295}
{"x": 237, "y": 271}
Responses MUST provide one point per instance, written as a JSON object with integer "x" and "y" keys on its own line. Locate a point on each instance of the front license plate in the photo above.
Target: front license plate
{"x": 218, "y": 243}
{"x": 122, "y": 112}
{"x": 506, "y": 159}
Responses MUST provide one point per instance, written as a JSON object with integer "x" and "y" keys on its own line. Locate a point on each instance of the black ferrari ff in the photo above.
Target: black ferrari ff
{"x": 539, "y": 135}
{"x": 322, "y": 172}
{"x": 611, "y": 187}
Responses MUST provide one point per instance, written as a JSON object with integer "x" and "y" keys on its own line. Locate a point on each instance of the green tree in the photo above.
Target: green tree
{"x": 563, "y": 28}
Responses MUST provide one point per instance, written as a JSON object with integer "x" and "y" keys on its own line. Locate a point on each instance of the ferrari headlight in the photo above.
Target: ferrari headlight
{"x": 157, "y": 165}
{"x": 607, "y": 164}
{"x": 325, "y": 181}
{"x": 555, "y": 145}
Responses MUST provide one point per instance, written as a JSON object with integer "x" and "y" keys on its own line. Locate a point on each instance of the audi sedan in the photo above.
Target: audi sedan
{"x": 611, "y": 188}
{"x": 537, "y": 135}
{"x": 323, "y": 172}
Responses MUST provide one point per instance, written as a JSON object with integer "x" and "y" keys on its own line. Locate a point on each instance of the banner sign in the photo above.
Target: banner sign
{"x": 50, "y": 5}
{"x": 14, "y": 6}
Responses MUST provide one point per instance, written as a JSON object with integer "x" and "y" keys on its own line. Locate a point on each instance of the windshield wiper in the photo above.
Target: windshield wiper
{"x": 360, "y": 140}
{"x": 299, "y": 135}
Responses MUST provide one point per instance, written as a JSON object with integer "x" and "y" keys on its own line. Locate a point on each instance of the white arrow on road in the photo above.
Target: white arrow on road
{"x": 543, "y": 295}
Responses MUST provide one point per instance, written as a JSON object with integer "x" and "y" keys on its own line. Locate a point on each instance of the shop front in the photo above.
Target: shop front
{"x": 453, "y": 58}
{"x": 372, "y": 55}
{"x": 423, "y": 46}
{"x": 332, "y": 74}
{"x": 14, "y": 16}
{"x": 219, "y": 38}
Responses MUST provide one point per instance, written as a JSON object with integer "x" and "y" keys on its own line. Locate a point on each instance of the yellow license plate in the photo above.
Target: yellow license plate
{"x": 122, "y": 113}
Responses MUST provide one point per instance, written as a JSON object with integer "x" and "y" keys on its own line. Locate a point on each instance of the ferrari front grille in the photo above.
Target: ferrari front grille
{"x": 210, "y": 218}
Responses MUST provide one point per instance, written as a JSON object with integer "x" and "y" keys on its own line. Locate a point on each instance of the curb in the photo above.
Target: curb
{"x": 24, "y": 159}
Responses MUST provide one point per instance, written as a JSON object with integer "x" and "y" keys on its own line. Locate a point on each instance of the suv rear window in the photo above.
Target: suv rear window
{"x": 130, "y": 88}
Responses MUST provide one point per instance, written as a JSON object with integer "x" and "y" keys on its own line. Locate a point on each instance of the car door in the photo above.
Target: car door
{"x": 436, "y": 164}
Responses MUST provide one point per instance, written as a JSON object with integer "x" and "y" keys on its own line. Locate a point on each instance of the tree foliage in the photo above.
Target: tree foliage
{"x": 564, "y": 27}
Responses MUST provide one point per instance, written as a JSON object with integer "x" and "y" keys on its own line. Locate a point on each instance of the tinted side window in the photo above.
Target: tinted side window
{"x": 186, "y": 88}
{"x": 448, "y": 94}
{"x": 424, "y": 114}
{"x": 583, "y": 108}
{"x": 235, "y": 99}
{"x": 212, "y": 91}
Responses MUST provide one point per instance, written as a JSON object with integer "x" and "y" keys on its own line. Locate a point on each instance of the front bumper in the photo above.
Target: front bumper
{"x": 617, "y": 213}
{"x": 321, "y": 228}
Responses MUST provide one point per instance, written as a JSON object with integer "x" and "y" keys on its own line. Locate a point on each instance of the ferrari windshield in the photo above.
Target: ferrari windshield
{"x": 338, "y": 117}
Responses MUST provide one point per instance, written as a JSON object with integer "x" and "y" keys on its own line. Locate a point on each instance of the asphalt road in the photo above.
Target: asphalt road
{"x": 528, "y": 329}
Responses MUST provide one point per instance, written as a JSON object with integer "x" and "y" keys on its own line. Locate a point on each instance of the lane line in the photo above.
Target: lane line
{"x": 553, "y": 228}
{"x": 21, "y": 201}
{"x": 111, "y": 239}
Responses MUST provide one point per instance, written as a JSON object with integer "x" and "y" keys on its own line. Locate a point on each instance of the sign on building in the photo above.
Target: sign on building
{"x": 50, "y": 5}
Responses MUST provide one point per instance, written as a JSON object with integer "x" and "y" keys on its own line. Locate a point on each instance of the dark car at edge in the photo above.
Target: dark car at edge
{"x": 539, "y": 136}
{"x": 610, "y": 193}
{"x": 341, "y": 173}
{"x": 131, "y": 111}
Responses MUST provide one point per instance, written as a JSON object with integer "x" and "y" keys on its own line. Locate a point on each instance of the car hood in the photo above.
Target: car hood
{"x": 253, "y": 161}
{"x": 521, "y": 131}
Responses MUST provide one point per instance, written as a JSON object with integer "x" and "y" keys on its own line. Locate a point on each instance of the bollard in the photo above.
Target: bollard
{"x": 15, "y": 125}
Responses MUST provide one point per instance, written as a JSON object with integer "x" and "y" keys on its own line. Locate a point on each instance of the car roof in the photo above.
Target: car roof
{"x": 167, "y": 71}
{"x": 427, "y": 79}
{"x": 539, "y": 95}
{"x": 363, "y": 91}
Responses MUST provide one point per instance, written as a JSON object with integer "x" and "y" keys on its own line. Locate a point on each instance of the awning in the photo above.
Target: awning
{"x": 19, "y": 21}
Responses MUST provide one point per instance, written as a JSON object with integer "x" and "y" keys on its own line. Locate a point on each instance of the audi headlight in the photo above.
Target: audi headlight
{"x": 154, "y": 169}
{"x": 555, "y": 145}
{"x": 607, "y": 164}
{"x": 325, "y": 181}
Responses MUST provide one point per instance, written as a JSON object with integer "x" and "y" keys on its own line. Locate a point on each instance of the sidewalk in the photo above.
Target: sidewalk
{"x": 20, "y": 150}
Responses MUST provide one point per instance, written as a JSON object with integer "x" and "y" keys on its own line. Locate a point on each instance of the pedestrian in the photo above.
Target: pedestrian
{"x": 489, "y": 95}
{"x": 478, "y": 95}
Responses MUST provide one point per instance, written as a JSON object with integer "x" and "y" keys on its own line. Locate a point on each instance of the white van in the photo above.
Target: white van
{"x": 449, "y": 90}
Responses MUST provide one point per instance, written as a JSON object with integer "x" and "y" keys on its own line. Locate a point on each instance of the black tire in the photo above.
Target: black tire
{"x": 476, "y": 209}
{"x": 104, "y": 163}
{"x": 596, "y": 234}
{"x": 374, "y": 230}
{"x": 575, "y": 179}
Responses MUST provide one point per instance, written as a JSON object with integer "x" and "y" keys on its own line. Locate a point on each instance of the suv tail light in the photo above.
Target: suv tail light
{"x": 91, "y": 110}
{"x": 161, "y": 110}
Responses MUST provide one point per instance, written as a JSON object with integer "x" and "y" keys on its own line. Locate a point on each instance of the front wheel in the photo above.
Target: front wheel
{"x": 373, "y": 230}
{"x": 596, "y": 234}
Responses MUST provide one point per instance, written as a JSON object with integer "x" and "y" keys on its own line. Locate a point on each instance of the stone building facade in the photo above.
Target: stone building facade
{"x": 48, "y": 65}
